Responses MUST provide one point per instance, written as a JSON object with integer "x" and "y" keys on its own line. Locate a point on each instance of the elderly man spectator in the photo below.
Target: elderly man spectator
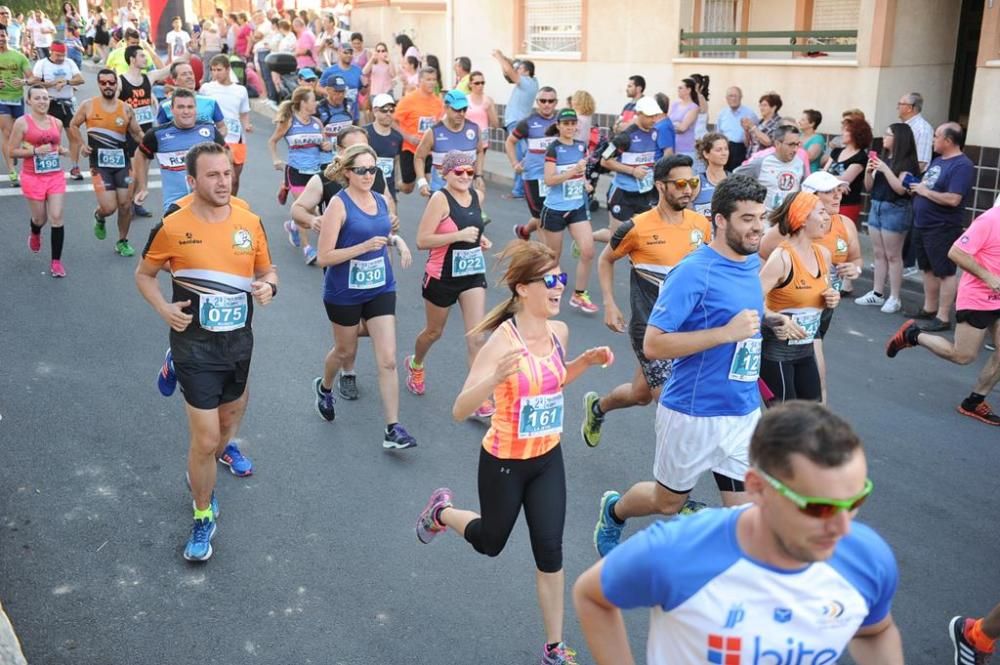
{"x": 909, "y": 108}
{"x": 938, "y": 215}
{"x": 730, "y": 125}
{"x": 521, "y": 103}
{"x": 305, "y": 44}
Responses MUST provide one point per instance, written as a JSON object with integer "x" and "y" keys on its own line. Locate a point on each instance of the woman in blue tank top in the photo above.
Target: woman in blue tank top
{"x": 359, "y": 285}
{"x": 713, "y": 153}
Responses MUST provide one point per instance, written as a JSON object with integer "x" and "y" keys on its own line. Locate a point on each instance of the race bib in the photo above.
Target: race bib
{"x": 572, "y": 189}
{"x": 47, "y": 163}
{"x": 836, "y": 281}
{"x": 746, "y": 361}
{"x": 234, "y": 130}
{"x": 173, "y": 161}
{"x": 144, "y": 115}
{"x": 540, "y": 415}
{"x": 222, "y": 312}
{"x": 808, "y": 321}
{"x": 367, "y": 274}
{"x": 425, "y": 123}
{"x": 543, "y": 189}
{"x": 110, "y": 158}
{"x": 646, "y": 183}
{"x": 465, "y": 262}
{"x": 387, "y": 164}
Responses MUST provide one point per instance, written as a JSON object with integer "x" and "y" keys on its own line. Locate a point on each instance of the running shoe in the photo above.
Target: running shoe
{"x": 283, "y": 195}
{"x": 139, "y": 211}
{"x": 892, "y": 305}
{"x": 324, "y": 401}
{"x": 428, "y": 525}
{"x": 965, "y": 652}
{"x": 347, "y": 386}
{"x": 691, "y": 507}
{"x": 935, "y": 325}
{"x": 398, "y": 438}
{"x": 520, "y": 231}
{"x": 309, "y": 254}
{"x": 608, "y": 531}
{"x": 559, "y": 655}
{"x": 35, "y": 242}
{"x": 921, "y": 314}
{"x": 239, "y": 464}
{"x": 293, "y": 233}
{"x": 590, "y": 430}
{"x": 582, "y": 302}
{"x": 122, "y": 248}
{"x": 870, "y": 300}
{"x": 100, "y": 232}
{"x": 57, "y": 269}
{"x": 905, "y": 337}
{"x": 12, "y": 176}
{"x": 166, "y": 380}
{"x": 981, "y": 412}
{"x": 414, "y": 377}
{"x": 75, "y": 174}
{"x": 486, "y": 409}
{"x": 199, "y": 545}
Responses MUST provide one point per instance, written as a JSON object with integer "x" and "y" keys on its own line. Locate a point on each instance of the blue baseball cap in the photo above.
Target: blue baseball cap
{"x": 337, "y": 83}
{"x": 456, "y": 99}
{"x": 307, "y": 73}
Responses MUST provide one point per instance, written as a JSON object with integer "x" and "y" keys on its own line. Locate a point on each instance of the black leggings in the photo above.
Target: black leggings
{"x": 792, "y": 379}
{"x": 539, "y": 484}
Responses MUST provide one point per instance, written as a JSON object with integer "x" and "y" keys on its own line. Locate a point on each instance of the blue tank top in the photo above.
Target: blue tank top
{"x": 640, "y": 151}
{"x": 334, "y": 119}
{"x": 568, "y": 195}
{"x": 304, "y": 139}
{"x": 532, "y": 129}
{"x": 363, "y": 278}
{"x": 702, "y": 203}
{"x": 465, "y": 140}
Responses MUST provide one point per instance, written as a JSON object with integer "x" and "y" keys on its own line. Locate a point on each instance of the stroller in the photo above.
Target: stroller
{"x": 286, "y": 67}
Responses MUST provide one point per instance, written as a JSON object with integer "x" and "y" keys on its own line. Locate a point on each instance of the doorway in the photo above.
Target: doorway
{"x": 970, "y": 25}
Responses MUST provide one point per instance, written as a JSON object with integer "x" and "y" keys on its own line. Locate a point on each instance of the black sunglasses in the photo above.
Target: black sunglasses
{"x": 547, "y": 101}
{"x": 552, "y": 280}
{"x": 364, "y": 170}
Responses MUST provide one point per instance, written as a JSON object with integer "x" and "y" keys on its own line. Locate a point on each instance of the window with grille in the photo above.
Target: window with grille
{"x": 719, "y": 16}
{"x": 836, "y": 14}
{"x": 553, "y": 27}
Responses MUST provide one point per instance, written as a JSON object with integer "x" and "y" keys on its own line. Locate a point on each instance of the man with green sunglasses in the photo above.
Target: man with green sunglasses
{"x": 789, "y": 578}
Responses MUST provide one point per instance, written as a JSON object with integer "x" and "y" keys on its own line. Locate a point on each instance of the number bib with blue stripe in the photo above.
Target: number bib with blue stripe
{"x": 465, "y": 262}
{"x": 367, "y": 274}
{"x": 540, "y": 415}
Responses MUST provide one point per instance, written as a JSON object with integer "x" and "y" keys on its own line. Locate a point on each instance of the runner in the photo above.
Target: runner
{"x": 630, "y": 156}
{"x": 234, "y": 102}
{"x": 137, "y": 91}
{"x": 975, "y": 639}
{"x": 452, "y": 133}
{"x": 523, "y": 366}
{"x": 110, "y": 122}
{"x": 452, "y": 229}
{"x": 208, "y": 109}
{"x": 359, "y": 284}
{"x": 60, "y": 77}
{"x": 533, "y": 130}
{"x": 977, "y": 253}
{"x": 795, "y": 281}
{"x": 386, "y": 141}
{"x": 295, "y": 122}
{"x": 707, "y": 319}
{"x": 415, "y": 113}
{"x": 654, "y": 241}
{"x": 335, "y": 111}
{"x": 209, "y": 315}
{"x": 15, "y": 70}
{"x": 791, "y": 578}
{"x": 36, "y": 137}
{"x": 713, "y": 149}
{"x": 169, "y": 145}
{"x": 118, "y": 59}
{"x": 566, "y": 204}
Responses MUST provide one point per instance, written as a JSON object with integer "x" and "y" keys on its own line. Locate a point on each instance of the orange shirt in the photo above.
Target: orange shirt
{"x": 416, "y": 113}
{"x": 186, "y": 200}
{"x": 836, "y": 240}
{"x": 655, "y": 246}
{"x": 802, "y": 290}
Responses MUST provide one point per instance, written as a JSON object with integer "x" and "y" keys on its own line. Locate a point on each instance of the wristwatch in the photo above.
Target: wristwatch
{"x": 274, "y": 288}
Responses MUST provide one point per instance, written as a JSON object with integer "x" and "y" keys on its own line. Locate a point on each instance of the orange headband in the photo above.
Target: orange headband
{"x": 802, "y": 205}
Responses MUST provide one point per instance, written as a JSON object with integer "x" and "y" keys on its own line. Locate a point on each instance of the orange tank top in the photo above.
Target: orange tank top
{"x": 802, "y": 290}
{"x": 836, "y": 240}
{"x": 529, "y": 403}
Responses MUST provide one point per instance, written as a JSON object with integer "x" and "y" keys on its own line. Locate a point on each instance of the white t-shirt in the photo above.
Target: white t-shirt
{"x": 177, "y": 41}
{"x": 39, "y": 38}
{"x": 287, "y": 43}
{"x": 232, "y": 100}
{"x": 265, "y": 30}
{"x": 46, "y": 70}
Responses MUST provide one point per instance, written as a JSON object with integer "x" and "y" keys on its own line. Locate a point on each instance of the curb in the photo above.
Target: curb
{"x": 10, "y": 648}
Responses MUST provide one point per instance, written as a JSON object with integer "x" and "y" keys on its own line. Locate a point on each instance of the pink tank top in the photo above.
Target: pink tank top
{"x": 37, "y": 136}
{"x": 379, "y": 80}
{"x": 477, "y": 114}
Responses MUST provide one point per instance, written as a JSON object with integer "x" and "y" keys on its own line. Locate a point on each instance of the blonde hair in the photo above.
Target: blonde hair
{"x": 289, "y": 106}
{"x": 209, "y": 25}
{"x": 583, "y": 102}
{"x": 337, "y": 170}
{"x": 526, "y": 261}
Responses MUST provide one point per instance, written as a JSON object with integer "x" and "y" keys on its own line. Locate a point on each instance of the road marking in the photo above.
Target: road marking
{"x": 86, "y": 173}
{"x": 16, "y": 191}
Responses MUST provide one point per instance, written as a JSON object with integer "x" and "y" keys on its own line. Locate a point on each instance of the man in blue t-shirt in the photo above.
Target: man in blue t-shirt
{"x": 521, "y": 73}
{"x": 349, "y": 72}
{"x": 790, "y": 579}
{"x": 707, "y": 320}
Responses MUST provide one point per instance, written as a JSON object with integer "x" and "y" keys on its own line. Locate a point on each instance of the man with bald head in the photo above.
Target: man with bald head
{"x": 938, "y": 220}
{"x": 730, "y": 124}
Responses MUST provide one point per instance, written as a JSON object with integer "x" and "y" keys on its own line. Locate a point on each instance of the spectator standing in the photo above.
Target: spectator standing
{"x": 730, "y": 124}
{"x": 177, "y": 40}
{"x": 482, "y": 110}
{"x": 211, "y": 43}
{"x": 813, "y": 142}
{"x": 910, "y": 107}
{"x": 380, "y": 71}
{"x": 520, "y": 104}
{"x": 635, "y": 88}
{"x": 760, "y": 134}
{"x": 407, "y": 48}
{"x": 305, "y": 44}
{"x": 463, "y": 71}
{"x": 684, "y": 116}
{"x": 848, "y": 164}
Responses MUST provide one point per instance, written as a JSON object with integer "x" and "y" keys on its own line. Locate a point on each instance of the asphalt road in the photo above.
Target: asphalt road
{"x": 316, "y": 560}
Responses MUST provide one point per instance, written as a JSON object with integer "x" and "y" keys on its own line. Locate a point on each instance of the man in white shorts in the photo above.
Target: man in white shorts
{"x": 707, "y": 319}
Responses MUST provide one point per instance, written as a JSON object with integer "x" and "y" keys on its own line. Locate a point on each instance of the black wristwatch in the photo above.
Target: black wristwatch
{"x": 274, "y": 288}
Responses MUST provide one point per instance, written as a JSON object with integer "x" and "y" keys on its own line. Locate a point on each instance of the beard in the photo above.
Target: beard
{"x": 737, "y": 243}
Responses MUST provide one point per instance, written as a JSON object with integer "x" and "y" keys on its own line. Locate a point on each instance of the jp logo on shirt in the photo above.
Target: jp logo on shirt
{"x": 242, "y": 242}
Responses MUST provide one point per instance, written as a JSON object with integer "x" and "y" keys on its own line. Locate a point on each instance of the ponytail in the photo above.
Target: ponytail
{"x": 496, "y": 316}
{"x": 284, "y": 113}
{"x": 525, "y": 262}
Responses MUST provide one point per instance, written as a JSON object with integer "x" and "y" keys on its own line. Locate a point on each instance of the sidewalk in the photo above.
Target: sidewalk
{"x": 10, "y": 648}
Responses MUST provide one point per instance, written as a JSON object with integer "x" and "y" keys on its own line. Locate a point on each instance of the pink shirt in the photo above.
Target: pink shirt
{"x": 243, "y": 40}
{"x": 379, "y": 80}
{"x": 981, "y": 241}
{"x": 306, "y": 40}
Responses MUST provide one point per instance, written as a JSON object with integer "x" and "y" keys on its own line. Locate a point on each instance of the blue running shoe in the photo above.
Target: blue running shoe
{"x": 398, "y": 439}
{"x": 608, "y": 531}
{"x": 239, "y": 465}
{"x": 166, "y": 380}
{"x": 199, "y": 545}
{"x": 293, "y": 233}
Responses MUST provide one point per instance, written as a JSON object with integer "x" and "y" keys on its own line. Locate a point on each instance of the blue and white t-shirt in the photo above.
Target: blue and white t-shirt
{"x": 706, "y": 290}
{"x": 711, "y": 603}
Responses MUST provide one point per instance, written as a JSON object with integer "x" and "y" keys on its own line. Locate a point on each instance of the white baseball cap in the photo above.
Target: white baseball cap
{"x": 648, "y": 106}
{"x": 821, "y": 181}
{"x": 381, "y": 100}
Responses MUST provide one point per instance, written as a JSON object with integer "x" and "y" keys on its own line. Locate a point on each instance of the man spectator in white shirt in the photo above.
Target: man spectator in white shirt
{"x": 42, "y": 33}
{"x": 730, "y": 125}
{"x": 909, "y": 108}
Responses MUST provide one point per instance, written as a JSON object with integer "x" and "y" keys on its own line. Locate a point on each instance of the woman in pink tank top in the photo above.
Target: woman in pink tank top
{"x": 482, "y": 110}
{"x": 37, "y": 139}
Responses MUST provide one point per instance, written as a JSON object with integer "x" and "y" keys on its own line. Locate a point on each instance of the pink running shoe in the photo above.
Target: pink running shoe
{"x": 428, "y": 525}
{"x": 583, "y": 303}
{"x": 35, "y": 242}
{"x": 414, "y": 377}
{"x": 57, "y": 269}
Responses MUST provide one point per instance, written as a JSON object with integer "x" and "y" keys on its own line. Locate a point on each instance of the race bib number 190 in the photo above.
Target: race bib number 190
{"x": 47, "y": 163}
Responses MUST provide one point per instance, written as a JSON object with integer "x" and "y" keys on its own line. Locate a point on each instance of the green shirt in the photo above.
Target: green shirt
{"x": 116, "y": 61}
{"x": 815, "y": 164}
{"x": 13, "y": 64}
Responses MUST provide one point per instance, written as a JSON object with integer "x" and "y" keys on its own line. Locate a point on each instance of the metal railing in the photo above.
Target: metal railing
{"x": 809, "y": 41}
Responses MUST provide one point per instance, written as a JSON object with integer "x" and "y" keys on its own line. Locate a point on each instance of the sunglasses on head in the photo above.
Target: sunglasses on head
{"x": 364, "y": 170}
{"x": 464, "y": 170}
{"x": 819, "y": 507}
{"x": 551, "y": 280}
{"x": 681, "y": 182}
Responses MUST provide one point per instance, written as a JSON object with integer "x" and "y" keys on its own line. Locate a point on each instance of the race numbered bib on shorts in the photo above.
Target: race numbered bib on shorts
{"x": 234, "y": 130}
{"x": 808, "y": 321}
{"x": 110, "y": 158}
{"x": 465, "y": 262}
{"x": 388, "y": 165}
{"x": 222, "y": 312}
{"x": 368, "y": 274}
{"x": 836, "y": 281}
{"x": 143, "y": 115}
{"x": 540, "y": 415}
{"x": 424, "y": 123}
{"x": 646, "y": 184}
{"x": 746, "y": 361}
{"x": 47, "y": 163}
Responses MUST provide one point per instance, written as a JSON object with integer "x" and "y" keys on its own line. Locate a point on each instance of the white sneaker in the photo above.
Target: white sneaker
{"x": 912, "y": 271}
{"x": 892, "y": 305}
{"x": 870, "y": 299}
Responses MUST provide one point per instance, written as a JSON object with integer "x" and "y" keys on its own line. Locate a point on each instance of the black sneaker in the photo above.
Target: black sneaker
{"x": 324, "y": 401}
{"x": 347, "y": 386}
{"x": 965, "y": 652}
{"x": 935, "y": 325}
{"x": 921, "y": 314}
{"x": 139, "y": 211}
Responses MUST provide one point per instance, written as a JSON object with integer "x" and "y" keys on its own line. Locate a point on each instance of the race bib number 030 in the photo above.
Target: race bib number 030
{"x": 223, "y": 312}
{"x": 540, "y": 415}
{"x": 367, "y": 274}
